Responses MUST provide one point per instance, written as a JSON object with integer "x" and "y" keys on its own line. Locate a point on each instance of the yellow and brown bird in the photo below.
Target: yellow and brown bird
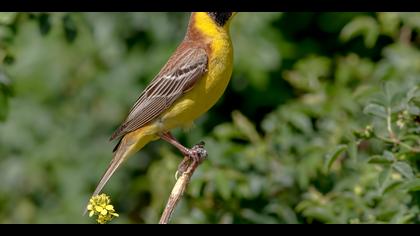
{"x": 191, "y": 82}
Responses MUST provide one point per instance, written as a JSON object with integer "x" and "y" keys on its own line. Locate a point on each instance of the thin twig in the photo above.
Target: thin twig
{"x": 392, "y": 137}
{"x": 405, "y": 35}
{"x": 388, "y": 124}
{"x": 398, "y": 142}
{"x": 181, "y": 184}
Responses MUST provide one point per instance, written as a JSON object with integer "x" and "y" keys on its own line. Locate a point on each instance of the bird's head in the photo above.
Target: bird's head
{"x": 222, "y": 19}
{"x": 211, "y": 24}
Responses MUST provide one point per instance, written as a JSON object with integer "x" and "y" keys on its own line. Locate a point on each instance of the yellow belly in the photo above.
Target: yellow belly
{"x": 206, "y": 92}
{"x": 203, "y": 95}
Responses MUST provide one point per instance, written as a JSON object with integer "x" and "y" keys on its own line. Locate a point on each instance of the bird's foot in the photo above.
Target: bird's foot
{"x": 193, "y": 156}
{"x": 198, "y": 153}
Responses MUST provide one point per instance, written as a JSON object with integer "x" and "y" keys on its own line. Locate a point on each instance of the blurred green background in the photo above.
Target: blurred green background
{"x": 320, "y": 123}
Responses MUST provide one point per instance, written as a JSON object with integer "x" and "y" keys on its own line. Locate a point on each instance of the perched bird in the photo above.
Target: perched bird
{"x": 188, "y": 85}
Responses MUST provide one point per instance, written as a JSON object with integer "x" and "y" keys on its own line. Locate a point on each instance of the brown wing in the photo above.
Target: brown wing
{"x": 181, "y": 72}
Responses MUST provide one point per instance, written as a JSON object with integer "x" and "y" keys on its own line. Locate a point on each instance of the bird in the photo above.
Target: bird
{"x": 187, "y": 86}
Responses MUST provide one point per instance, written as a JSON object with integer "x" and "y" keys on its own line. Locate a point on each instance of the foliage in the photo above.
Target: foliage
{"x": 320, "y": 123}
{"x": 6, "y": 36}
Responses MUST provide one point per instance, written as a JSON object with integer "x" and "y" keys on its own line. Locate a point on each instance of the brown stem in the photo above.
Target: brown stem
{"x": 405, "y": 35}
{"x": 181, "y": 184}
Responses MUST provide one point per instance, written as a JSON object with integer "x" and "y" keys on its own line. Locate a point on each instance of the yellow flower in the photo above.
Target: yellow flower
{"x": 100, "y": 205}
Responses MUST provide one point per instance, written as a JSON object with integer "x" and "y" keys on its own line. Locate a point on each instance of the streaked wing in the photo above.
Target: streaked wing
{"x": 181, "y": 72}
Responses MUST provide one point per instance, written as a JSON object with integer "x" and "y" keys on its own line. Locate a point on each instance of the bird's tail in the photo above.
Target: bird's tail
{"x": 129, "y": 144}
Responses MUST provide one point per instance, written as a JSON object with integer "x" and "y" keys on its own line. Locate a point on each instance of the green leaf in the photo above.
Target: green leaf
{"x": 375, "y": 110}
{"x": 4, "y": 79}
{"x": 378, "y": 159}
{"x": 44, "y": 22}
{"x": 331, "y": 157}
{"x": 412, "y": 185}
{"x": 363, "y": 25}
{"x": 5, "y": 93}
{"x": 404, "y": 169}
{"x": 4, "y": 107}
{"x": 322, "y": 214}
{"x": 226, "y": 131}
{"x": 390, "y": 22}
{"x": 412, "y": 110}
{"x": 412, "y": 93}
{"x": 70, "y": 28}
{"x": 391, "y": 186}
{"x": 411, "y": 19}
{"x": 384, "y": 176}
{"x": 389, "y": 155}
{"x": 6, "y": 18}
{"x": 353, "y": 150}
{"x": 246, "y": 127}
{"x": 300, "y": 121}
{"x": 405, "y": 219}
{"x": 386, "y": 158}
{"x": 222, "y": 185}
{"x": 257, "y": 217}
{"x": 398, "y": 97}
{"x": 388, "y": 89}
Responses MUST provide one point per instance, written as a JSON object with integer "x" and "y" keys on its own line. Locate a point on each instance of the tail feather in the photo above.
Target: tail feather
{"x": 115, "y": 163}
{"x": 128, "y": 145}
{"x": 119, "y": 156}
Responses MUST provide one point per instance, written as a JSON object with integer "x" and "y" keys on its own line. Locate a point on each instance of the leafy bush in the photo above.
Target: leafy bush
{"x": 320, "y": 123}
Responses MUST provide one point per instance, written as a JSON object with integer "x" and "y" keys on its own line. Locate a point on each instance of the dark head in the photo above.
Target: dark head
{"x": 221, "y": 18}
{"x": 210, "y": 24}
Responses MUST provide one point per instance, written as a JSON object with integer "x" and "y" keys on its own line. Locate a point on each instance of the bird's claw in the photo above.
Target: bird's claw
{"x": 196, "y": 154}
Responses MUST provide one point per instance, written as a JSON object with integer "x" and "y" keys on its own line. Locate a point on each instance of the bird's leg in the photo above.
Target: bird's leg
{"x": 197, "y": 153}
{"x": 172, "y": 140}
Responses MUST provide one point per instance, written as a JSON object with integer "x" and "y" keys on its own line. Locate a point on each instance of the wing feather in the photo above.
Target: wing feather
{"x": 181, "y": 72}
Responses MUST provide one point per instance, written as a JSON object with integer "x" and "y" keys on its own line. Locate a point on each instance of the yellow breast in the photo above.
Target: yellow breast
{"x": 210, "y": 88}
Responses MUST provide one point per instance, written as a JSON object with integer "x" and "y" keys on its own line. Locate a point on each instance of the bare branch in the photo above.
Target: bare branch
{"x": 189, "y": 165}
